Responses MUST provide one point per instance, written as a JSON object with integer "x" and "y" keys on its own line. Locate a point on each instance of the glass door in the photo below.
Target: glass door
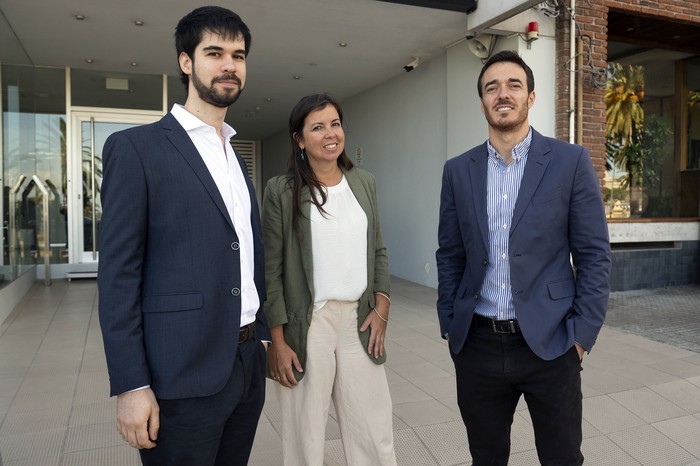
{"x": 90, "y": 131}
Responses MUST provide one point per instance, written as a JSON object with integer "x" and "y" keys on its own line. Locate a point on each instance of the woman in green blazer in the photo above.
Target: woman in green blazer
{"x": 327, "y": 280}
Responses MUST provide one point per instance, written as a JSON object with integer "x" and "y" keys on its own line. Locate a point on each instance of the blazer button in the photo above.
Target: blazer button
{"x": 476, "y": 297}
{"x": 485, "y": 262}
{"x": 236, "y": 291}
{"x": 235, "y": 246}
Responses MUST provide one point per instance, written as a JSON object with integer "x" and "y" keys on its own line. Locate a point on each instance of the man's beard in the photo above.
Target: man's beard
{"x": 210, "y": 95}
{"x": 506, "y": 126}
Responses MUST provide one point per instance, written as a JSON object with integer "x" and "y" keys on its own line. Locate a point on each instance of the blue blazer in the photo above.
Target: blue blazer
{"x": 558, "y": 219}
{"x": 169, "y": 272}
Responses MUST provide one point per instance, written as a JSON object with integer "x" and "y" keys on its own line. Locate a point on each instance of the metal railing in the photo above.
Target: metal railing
{"x": 13, "y": 226}
{"x": 14, "y": 265}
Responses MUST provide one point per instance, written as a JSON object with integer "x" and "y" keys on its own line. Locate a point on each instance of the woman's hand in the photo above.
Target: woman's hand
{"x": 281, "y": 358}
{"x": 377, "y": 330}
{"x": 376, "y": 321}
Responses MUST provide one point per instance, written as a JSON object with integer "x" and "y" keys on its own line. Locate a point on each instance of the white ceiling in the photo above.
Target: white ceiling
{"x": 290, "y": 37}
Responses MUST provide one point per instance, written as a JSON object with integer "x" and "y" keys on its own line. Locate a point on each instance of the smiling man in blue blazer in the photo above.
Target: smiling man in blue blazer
{"x": 523, "y": 266}
{"x": 181, "y": 276}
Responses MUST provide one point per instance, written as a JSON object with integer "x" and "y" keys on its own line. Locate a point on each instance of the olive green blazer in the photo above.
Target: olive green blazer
{"x": 289, "y": 265}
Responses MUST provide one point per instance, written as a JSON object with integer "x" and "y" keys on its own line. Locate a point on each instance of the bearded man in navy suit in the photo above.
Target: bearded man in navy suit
{"x": 523, "y": 267}
{"x": 181, "y": 277}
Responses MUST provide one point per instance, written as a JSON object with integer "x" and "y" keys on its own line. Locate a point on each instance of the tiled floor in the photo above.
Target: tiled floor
{"x": 641, "y": 405}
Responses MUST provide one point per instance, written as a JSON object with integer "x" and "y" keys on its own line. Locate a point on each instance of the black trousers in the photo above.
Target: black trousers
{"x": 215, "y": 430}
{"x": 493, "y": 371}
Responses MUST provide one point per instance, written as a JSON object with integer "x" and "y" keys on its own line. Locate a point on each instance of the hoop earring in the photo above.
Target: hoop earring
{"x": 303, "y": 156}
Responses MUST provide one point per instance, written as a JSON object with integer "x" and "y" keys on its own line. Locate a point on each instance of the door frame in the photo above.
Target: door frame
{"x": 74, "y": 170}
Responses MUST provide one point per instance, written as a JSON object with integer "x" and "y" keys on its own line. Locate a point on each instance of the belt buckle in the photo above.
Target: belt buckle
{"x": 498, "y": 326}
{"x": 245, "y": 333}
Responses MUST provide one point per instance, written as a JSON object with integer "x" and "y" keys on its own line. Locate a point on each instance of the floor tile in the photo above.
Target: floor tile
{"x": 607, "y": 415}
{"x": 682, "y": 393}
{"x": 685, "y": 431}
{"x": 447, "y": 442}
{"x": 420, "y": 413}
{"x": 648, "y": 405}
{"x": 651, "y": 447}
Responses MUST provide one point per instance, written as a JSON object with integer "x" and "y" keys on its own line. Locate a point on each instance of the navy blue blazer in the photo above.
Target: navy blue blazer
{"x": 169, "y": 272}
{"x": 558, "y": 218}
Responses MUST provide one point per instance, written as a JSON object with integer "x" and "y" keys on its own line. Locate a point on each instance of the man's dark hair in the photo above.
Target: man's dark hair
{"x": 511, "y": 57}
{"x": 212, "y": 19}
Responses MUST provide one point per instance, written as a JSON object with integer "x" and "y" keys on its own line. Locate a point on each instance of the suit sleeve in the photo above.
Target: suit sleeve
{"x": 122, "y": 243}
{"x": 590, "y": 251}
{"x": 451, "y": 256}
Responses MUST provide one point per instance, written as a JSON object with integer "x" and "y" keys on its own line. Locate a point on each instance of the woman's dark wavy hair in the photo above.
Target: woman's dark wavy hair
{"x": 213, "y": 19}
{"x": 299, "y": 171}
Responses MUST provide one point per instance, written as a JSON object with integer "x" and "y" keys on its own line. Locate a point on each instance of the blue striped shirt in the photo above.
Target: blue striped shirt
{"x": 503, "y": 184}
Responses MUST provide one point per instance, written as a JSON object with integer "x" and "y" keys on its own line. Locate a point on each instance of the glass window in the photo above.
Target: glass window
{"x": 693, "y": 159}
{"x": 34, "y": 142}
{"x": 640, "y": 114}
{"x": 646, "y": 105}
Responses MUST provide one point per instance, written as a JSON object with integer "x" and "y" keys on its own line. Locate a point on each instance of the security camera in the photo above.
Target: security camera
{"x": 413, "y": 65}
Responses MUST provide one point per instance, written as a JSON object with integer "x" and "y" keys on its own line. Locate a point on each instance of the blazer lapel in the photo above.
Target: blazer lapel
{"x": 537, "y": 161}
{"x": 183, "y": 144}
{"x": 478, "y": 177}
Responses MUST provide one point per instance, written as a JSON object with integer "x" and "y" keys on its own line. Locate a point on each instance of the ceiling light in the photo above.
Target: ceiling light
{"x": 134, "y": 64}
{"x": 297, "y": 77}
{"x": 79, "y": 17}
{"x": 138, "y": 22}
{"x": 268, "y": 100}
{"x": 88, "y": 60}
{"x": 343, "y": 44}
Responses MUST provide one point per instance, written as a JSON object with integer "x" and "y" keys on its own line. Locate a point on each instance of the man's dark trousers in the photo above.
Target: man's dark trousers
{"x": 493, "y": 370}
{"x": 218, "y": 429}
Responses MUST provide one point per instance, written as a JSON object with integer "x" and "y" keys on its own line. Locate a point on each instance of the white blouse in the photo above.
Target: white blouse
{"x": 339, "y": 247}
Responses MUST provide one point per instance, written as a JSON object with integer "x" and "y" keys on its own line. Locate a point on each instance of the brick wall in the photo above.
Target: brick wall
{"x": 592, "y": 20}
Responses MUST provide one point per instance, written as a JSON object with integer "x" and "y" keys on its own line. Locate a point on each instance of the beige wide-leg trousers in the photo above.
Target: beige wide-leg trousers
{"x": 337, "y": 367}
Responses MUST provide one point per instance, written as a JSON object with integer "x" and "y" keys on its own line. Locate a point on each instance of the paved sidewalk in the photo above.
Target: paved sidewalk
{"x": 641, "y": 386}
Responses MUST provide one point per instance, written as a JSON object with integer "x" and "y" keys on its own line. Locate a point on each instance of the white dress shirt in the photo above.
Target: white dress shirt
{"x": 224, "y": 168}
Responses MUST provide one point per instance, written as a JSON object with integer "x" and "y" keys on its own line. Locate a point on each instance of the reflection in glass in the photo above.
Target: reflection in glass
{"x": 29, "y": 225}
{"x": 33, "y": 142}
{"x": 639, "y": 140}
{"x": 93, "y": 138}
{"x": 693, "y": 161}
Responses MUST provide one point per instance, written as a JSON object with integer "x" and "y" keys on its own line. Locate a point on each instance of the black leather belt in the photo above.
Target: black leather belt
{"x": 497, "y": 326}
{"x": 247, "y": 332}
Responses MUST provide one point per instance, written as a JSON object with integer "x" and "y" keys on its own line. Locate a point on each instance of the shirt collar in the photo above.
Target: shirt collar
{"x": 520, "y": 150}
{"x": 191, "y": 123}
